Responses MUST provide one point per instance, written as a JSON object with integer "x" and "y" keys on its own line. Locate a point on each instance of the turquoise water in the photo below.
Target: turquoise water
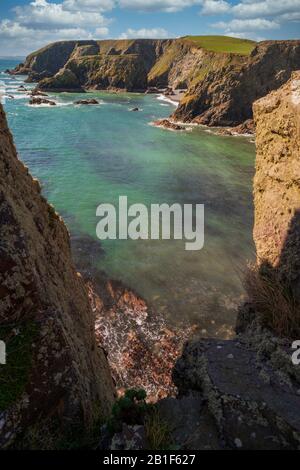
{"x": 85, "y": 156}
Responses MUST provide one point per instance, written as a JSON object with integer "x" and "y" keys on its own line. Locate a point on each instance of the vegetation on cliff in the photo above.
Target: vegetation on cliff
{"x": 45, "y": 313}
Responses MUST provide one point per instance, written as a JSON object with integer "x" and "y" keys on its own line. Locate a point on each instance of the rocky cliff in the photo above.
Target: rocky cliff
{"x": 54, "y": 369}
{"x": 225, "y": 96}
{"x": 244, "y": 393}
{"x": 277, "y": 181}
{"x": 131, "y": 65}
{"x": 223, "y": 76}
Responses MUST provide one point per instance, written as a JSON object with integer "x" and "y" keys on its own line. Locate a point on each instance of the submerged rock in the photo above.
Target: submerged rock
{"x": 35, "y": 101}
{"x": 88, "y": 101}
{"x": 167, "y": 124}
{"x": 246, "y": 128}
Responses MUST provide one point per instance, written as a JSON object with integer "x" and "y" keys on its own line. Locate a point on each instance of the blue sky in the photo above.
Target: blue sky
{"x": 26, "y": 25}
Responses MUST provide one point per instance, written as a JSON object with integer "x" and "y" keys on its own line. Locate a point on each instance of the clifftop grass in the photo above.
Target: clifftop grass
{"x": 224, "y": 44}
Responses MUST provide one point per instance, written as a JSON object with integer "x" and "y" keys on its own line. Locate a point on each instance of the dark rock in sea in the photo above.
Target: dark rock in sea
{"x": 89, "y": 101}
{"x": 166, "y": 124}
{"x": 134, "y": 109}
{"x": 38, "y": 101}
{"x": 246, "y": 127}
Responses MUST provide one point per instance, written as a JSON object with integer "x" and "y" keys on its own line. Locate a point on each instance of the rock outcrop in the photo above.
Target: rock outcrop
{"x": 47, "y": 61}
{"x": 221, "y": 83}
{"x": 277, "y": 181}
{"x": 245, "y": 392}
{"x": 54, "y": 369}
{"x": 132, "y": 65}
{"x": 225, "y": 96}
{"x": 249, "y": 392}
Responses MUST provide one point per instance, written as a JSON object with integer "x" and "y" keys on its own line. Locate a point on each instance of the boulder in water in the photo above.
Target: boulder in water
{"x": 38, "y": 101}
{"x": 89, "y": 101}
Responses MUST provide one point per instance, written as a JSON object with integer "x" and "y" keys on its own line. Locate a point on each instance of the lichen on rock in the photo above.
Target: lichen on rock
{"x": 68, "y": 375}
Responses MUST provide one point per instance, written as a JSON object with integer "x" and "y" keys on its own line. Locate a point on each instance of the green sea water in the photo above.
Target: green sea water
{"x": 88, "y": 155}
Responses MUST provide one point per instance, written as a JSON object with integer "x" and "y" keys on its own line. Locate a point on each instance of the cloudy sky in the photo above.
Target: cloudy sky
{"x": 26, "y": 25}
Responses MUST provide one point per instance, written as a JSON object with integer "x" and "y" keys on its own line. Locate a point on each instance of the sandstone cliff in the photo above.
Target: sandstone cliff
{"x": 54, "y": 368}
{"x": 277, "y": 180}
{"x": 225, "y": 96}
{"x": 223, "y": 76}
{"x": 132, "y": 65}
{"x": 244, "y": 393}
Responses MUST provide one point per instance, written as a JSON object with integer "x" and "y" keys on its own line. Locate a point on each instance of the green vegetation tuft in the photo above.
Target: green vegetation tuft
{"x": 158, "y": 431}
{"x": 129, "y": 409}
{"x": 223, "y": 44}
{"x": 14, "y": 374}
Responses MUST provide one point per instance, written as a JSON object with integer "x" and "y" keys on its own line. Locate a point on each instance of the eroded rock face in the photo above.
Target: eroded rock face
{"x": 225, "y": 96}
{"x": 132, "y": 65}
{"x": 50, "y": 59}
{"x": 249, "y": 389}
{"x": 68, "y": 376}
{"x": 277, "y": 180}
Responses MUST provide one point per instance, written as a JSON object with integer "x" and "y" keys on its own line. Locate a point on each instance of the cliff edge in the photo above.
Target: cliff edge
{"x": 245, "y": 393}
{"x": 277, "y": 181}
{"x": 225, "y": 96}
{"x": 53, "y": 367}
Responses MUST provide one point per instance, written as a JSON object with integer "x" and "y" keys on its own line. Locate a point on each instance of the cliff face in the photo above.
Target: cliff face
{"x": 277, "y": 180}
{"x": 131, "y": 65}
{"x": 54, "y": 368}
{"x": 245, "y": 391}
{"x": 222, "y": 81}
{"x": 73, "y": 65}
{"x": 225, "y": 96}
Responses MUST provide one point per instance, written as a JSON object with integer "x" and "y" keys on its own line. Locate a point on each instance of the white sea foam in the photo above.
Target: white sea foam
{"x": 20, "y": 96}
{"x": 167, "y": 100}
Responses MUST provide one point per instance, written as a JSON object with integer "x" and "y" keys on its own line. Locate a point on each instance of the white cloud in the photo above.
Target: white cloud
{"x": 295, "y": 16}
{"x": 169, "y": 6}
{"x": 21, "y": 40}
{"x": 247, "y": 25}
{"x": 89, "y": 5}
{"x": 101, "y": 32}
{"x": 215, "y": 7}
{"x": 51, "y": 15}
{"x": 245, "y": 35}
{"x": 255, "y": 9}
{"x": 153, "y": 33}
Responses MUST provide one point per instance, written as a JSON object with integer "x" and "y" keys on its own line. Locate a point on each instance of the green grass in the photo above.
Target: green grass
{"x": 14, "y": 374}
{"x": 222, "y": 44}
{"x": 164, "y": 62}
{"x": 158, "y": 431}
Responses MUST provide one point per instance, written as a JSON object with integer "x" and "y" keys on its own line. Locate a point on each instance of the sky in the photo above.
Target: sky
{"x": 26, "y": 25}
